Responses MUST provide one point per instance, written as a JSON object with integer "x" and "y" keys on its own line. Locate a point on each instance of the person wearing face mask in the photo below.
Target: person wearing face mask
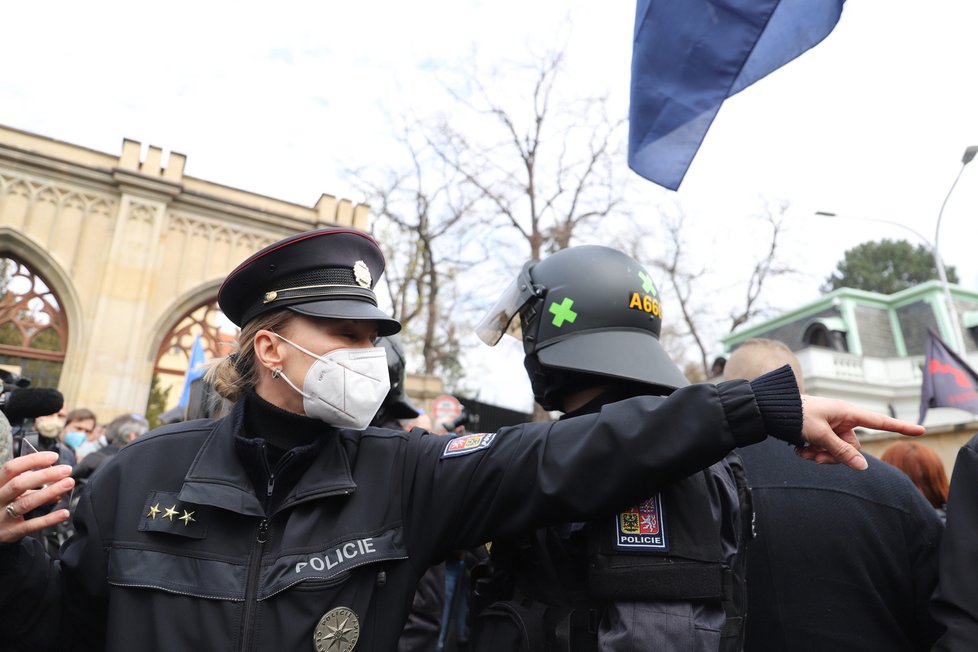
{"x": 51, "y": 436}
{"x": 289, "y": 524}
{"x": 82, "y": 432}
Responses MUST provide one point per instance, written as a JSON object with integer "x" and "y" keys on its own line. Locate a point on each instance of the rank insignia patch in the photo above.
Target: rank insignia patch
{"x": 468, "y": 444}
{"x": 642, "y": 528}
{"x": 164, "y": 512}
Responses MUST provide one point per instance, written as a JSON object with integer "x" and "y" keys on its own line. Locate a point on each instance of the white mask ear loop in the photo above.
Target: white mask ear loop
{"x": 278, "y": 373}
{"x": 304, "y": 350}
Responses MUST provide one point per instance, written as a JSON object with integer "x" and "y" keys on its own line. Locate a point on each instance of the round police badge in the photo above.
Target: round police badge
{"x": 337, "y": 631}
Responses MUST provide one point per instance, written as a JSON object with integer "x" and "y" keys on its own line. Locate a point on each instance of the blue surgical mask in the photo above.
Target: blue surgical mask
{"x": 75, "y": 439}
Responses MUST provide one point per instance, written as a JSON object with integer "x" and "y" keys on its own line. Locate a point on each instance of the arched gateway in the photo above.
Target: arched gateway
{"x": 110, "y": 265}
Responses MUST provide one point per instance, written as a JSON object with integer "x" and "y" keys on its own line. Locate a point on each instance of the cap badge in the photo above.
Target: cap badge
{"x": 338, "y": 630}
{"x": 362, "y": 274}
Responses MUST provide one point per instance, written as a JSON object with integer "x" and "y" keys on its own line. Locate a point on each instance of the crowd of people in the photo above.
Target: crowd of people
{"x": 82, "y": 444}
{"x": 321, "y": 510}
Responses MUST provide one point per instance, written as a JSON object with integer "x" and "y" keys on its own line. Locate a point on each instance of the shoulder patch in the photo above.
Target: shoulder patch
{"x": 468, "y": 444}
{"x": 163, "y": 511}
{"x": 642, "y": 528}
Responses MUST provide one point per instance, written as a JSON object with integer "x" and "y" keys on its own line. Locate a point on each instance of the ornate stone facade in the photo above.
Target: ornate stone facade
{"x": 130, "y": 246}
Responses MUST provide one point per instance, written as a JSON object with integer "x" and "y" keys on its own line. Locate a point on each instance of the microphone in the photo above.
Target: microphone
{"x": 29, "y": 403}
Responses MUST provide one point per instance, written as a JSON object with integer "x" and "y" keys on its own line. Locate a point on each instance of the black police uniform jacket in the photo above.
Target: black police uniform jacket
{"x": 173, "y": 550}
{"x": 955, "y": 604}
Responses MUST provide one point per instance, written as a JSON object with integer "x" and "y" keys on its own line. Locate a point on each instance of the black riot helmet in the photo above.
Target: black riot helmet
{"x": 396, "y": 405}
{"x": 587, "y": 310}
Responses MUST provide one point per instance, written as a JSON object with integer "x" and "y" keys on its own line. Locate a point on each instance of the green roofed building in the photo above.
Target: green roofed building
{"x": 868, "y": 348}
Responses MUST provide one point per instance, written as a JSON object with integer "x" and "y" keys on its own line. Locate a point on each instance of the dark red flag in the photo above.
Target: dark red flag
{"x": 948, "y": 380}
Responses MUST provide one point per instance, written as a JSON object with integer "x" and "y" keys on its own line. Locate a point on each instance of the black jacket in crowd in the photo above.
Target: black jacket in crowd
{"x": 176, "y": 548}
{"x": 841, "y": 560}
{"x": 956, "y": 601}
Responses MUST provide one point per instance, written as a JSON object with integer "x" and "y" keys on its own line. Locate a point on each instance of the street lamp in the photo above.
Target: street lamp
{"x": 969, "y": 154}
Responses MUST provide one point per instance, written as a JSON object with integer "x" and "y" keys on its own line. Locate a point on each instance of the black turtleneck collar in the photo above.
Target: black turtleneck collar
{"x": 280, "y": 428}
{"x": 277, "y": 447}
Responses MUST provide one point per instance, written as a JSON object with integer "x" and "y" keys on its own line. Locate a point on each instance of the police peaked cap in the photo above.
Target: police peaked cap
{"x": 321, "y": 273}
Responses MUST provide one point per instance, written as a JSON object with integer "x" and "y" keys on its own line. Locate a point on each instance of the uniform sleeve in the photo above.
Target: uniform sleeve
{"x": 545, "y": 473}
{"x": 48, "y": 604}
{"x": 955, "y": 604}
{"x": 30, "y": 595}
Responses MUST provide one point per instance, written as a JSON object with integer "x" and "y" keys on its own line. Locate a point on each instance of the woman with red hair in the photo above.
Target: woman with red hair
{"x": 924, "y": 468}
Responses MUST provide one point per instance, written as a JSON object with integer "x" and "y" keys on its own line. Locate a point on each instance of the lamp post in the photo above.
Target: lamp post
{"x": 969, "y": 154}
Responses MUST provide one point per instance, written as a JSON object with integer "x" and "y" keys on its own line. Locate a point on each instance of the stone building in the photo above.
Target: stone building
{"x": 110, "y": 264}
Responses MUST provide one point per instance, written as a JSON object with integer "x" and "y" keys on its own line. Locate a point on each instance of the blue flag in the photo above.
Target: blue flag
{"x": 948, "y": 380}
{"x": 690, "y": 55}
{"x": 195, "y": 369}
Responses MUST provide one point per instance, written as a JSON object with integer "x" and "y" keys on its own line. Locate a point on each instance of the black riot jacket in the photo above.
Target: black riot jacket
{"x": 667, "y": 573}
{"x": 174, "y": 551}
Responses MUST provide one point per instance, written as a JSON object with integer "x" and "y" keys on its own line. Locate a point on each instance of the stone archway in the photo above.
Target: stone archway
{"x": 217, "y": 335}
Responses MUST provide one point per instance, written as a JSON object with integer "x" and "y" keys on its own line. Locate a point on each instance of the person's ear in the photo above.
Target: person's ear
{"x": 268, "y": 351}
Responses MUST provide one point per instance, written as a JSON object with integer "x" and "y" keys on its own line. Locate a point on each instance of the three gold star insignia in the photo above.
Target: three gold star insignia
{"x": 171, "y": 511}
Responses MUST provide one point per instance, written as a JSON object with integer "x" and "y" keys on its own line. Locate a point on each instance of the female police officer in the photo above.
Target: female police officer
{"x": 289, "y": 525}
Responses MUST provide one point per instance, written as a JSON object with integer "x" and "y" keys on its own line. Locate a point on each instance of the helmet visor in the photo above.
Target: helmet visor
{"x": 503, "y": 317}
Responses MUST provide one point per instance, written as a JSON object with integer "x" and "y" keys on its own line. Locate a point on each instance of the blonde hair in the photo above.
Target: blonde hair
{"x": 757, "y": 356}
{"x": 235, "y": 374}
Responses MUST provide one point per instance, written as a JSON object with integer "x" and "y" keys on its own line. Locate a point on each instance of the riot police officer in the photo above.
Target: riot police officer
{"x": 669, "y": 570}
{"x": 291, "y": 524}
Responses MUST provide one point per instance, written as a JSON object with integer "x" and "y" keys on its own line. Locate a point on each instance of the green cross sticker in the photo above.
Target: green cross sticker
{"x": 647, "y": 284}
{"x": 562, "y": 312}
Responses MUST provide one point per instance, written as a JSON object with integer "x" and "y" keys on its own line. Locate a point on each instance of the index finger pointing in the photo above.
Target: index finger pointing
{"x": 868, "y": 419}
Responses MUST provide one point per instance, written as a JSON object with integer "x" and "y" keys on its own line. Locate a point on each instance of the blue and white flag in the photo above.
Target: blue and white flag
{"x": 691, "y": 55}
{"x": 195, "y": 369}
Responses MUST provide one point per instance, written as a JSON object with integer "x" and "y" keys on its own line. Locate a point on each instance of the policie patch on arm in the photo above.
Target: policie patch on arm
{"x": 642, "y": 528}
{"x": 468, "y": 444}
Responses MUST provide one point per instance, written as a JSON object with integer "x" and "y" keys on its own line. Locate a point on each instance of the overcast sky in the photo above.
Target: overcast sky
{"x": 281, "y": 98}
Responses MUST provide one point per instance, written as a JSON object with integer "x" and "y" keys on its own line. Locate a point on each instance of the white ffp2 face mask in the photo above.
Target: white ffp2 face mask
{"x": 345, "y": 387}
